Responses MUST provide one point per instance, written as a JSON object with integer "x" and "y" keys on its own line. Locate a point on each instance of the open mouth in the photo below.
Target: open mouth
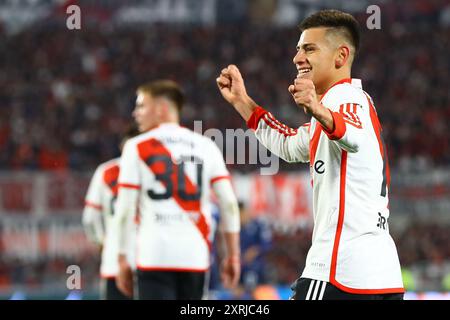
{"x": 303, "y": 71}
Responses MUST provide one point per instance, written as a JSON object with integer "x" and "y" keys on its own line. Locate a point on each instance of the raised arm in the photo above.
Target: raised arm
{"x": 232, "y": 88}
{"x": 289, "y": 144}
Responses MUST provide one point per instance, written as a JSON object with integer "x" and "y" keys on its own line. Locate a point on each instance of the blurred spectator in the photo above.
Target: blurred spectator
{"x": 53, "y": 157}
{"x": 446, "y": 282}
{"x": 409, "y": 281}
{"x": 216, "y": 240}
{"x": 256, "y": 238}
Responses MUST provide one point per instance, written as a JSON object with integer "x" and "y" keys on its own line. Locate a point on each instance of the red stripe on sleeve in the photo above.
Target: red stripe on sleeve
{"x": 93, "y": 205}
{"x": 252, "y": 122}
{"x": 339, "y": 126}
{"x": 351, "y": 117}
{"x": 351, "y": 114}
{"x": 213, "y": 180}
{"x": 129, "y": 186}
{"x": 276, "y": 125}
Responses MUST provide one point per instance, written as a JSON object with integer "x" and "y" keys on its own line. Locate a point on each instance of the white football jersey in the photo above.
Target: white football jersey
{"x": 99, "y": 201}
{"x": 168, "y": 171}
{"x": 351, "y": 245}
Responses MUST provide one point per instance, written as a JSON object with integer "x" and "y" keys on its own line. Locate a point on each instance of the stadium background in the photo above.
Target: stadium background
{"x": 66, "y": 97}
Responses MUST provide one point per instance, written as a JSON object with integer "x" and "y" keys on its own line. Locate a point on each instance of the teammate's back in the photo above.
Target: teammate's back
{"x": 166, "y": 175}
{"x": 173, "y": 168}
{"x": 98, "y": 215}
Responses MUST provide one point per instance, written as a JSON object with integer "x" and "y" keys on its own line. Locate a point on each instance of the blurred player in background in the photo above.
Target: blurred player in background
{"x": 168, "y": 172}
{"x": 212, "y": 276}
{"x": 352, "y": 255}
{"x": 256, "y": 238}
{"x": 97, "y": 216}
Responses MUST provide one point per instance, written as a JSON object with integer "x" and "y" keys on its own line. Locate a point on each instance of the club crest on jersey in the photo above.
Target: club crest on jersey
{"x": 349, "y": 111}
{"x": 382, "y": 222}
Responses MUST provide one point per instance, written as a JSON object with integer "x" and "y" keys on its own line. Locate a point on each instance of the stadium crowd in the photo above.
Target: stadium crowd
{"x": 71, "y": 98}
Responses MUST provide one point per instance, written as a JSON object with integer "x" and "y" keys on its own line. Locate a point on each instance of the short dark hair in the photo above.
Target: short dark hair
{"x": 335, "y": 19}
{"x": 164, "y": 88}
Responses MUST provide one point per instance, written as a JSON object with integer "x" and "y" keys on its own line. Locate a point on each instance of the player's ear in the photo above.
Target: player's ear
{"x": 163, "y": 107}
{"x": 342, "y": 56}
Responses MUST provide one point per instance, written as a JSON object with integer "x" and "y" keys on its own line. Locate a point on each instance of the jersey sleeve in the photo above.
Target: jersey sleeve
{"x": 292, "y": 145}
{"x": 221, "y": 185}
{"x": 229, "y": 209}
{"x": 92, "y": 212}
{"x": 129, "y": 162}
{"x": 350, "y": 112}
{"x": 127, "y": 198}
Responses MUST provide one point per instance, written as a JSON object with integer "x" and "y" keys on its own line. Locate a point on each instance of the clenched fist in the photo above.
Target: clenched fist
{"x": 232, "y": 88}
{"x": 231, "y": 84}
{"x": 304, "y": 93}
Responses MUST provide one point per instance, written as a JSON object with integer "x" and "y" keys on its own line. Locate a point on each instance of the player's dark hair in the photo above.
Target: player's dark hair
{"x": 340, "y": 21}
{"x": 164, "y": 88}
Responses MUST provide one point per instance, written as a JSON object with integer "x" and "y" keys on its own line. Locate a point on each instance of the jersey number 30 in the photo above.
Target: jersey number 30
{"x": 175, "y": 174}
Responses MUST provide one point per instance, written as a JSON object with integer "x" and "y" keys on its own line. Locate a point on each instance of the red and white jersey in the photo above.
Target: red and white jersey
{"x": 168, "y": 171}
{"x": 351, "y": 245}
{"x": 99, "y": 209}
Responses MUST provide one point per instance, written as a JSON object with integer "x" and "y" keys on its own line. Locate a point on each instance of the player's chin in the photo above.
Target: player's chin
{"x": 306, "y": 75}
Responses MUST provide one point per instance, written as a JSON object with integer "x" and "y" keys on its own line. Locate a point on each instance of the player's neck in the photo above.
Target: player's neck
{"x": 170, "y": 117}
{"x": 168, "y": 122}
